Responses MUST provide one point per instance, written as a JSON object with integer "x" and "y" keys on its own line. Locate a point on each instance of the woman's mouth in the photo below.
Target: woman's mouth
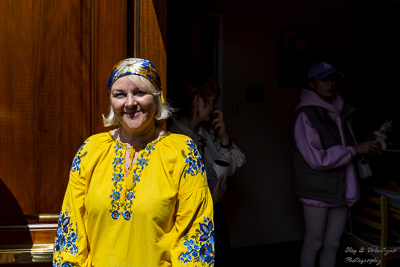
{"x": 132, "y": 113}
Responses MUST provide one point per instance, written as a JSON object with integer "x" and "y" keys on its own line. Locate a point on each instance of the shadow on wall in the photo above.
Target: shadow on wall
{"x": 11, "y": 215}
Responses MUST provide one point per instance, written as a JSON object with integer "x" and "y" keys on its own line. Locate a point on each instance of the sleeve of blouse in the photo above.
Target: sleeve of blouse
{"x": 230, "y": 153}
{"x": 309, "y": 144}
{"x": 70, "y": 245}
{"x": 234, "y": 156}
{"x": 194, "y": 245}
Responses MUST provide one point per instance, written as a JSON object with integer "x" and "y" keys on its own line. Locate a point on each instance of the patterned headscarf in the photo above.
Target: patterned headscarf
{"x": 135, "y": 66}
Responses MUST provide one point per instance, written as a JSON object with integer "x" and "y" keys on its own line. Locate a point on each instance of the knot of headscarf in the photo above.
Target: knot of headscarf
{"x": 135, "y": 66}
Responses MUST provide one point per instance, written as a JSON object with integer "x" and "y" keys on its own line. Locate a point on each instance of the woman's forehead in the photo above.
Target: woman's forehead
{"x": 124, "y": 83}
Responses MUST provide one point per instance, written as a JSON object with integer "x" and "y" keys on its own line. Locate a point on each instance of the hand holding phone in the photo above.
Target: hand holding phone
{"x": 218, "y": 123}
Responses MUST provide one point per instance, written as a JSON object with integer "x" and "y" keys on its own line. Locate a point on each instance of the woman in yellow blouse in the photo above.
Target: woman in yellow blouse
{"x": 137, "y": 195}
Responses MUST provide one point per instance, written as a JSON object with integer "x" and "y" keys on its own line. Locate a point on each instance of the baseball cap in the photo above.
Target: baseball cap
{"x": 322, "y": 69}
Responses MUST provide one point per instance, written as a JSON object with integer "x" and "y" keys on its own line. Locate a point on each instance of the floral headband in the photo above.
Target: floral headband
{"x": 135, "y": 66}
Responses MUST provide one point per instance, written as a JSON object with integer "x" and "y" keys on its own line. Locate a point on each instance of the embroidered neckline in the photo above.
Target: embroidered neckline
{"x": 123, "y": 191}
{"x": 142, "y": 146}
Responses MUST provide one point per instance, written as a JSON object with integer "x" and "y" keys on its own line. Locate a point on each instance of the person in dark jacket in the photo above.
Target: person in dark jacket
{"x": 323, "y": 152}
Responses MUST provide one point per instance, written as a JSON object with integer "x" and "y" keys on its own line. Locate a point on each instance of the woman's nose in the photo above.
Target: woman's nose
{"x": 130, "y": 101}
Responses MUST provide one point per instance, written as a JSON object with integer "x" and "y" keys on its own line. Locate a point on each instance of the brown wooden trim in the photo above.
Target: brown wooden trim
{"x": 137, "y": 28}
{"x": 41, "y": 253}
{"x": 134, "y": 29}
{"x": 30, "y": 242}
{"x": 29, "y": 219}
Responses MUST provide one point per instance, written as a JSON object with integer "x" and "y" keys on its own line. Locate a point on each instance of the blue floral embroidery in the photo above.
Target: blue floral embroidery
{"x": 116, "y": 195}
{"x": 119, "y": 179}
{"x": 136, "y": 178}
{"x": 130, "y": 196}
{"x": 127, "y": 215}
{"x": 77, "y": 159}
{"x": 65, "y": 264}
{"x": 117, "y": 161}
{"x": 142, "y": 162}
{"x": 66, "y": 237}
{"x": 76, "y": 164}
{"x": 150, "y": 147}
{"x": 115, "y": 214}
{"x": 200, "y": 246}
{"x": 193, "y": 159}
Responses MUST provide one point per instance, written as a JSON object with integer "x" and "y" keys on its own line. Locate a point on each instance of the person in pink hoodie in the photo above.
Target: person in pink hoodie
{"x": 323, "y": 152}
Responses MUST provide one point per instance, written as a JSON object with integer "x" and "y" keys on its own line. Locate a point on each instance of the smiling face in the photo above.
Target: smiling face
{"x": 325, "y": 88}
{"x": 133, "y": 107}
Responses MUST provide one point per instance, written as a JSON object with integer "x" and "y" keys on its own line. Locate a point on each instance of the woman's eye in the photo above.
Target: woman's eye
{"x": 118, "y": 95}
{"x": 140, "y": 93}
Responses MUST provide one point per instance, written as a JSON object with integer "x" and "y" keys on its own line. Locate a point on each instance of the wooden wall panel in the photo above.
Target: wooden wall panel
{"x": 153, "y": 36}
{"x": 42, "y": 87}
{"x": 54, "y": 72}
{"x": 109, "y": 45}
{"x": 56, "y": 58}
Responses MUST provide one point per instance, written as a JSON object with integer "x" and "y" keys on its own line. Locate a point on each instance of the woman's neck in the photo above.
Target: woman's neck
{"x": 137, "y": 140}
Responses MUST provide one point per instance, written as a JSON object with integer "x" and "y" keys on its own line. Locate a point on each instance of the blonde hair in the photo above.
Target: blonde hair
{"x": 163, "y": 109}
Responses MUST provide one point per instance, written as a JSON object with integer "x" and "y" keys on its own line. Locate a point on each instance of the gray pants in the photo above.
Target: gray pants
{"x": 324, "y": 228}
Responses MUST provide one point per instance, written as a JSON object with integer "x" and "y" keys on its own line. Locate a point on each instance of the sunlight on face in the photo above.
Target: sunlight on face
{"x": 133, "y": 107}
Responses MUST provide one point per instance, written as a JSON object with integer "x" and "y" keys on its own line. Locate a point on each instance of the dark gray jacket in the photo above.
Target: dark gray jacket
{"x": 327, "y": 185}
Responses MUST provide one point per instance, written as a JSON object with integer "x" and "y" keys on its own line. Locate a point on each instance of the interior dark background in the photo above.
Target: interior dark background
{"x": 359, "y": 37}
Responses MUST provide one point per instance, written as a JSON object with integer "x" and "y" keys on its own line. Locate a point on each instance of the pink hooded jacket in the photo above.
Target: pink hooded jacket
{"x": 309, "y": 144}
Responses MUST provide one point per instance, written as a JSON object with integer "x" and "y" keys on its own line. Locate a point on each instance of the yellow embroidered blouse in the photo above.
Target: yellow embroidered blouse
{"x": 160, "y": 215}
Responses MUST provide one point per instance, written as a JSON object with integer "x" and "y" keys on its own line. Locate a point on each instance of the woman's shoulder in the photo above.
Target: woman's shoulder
{"x": 181, "y": 150}
{"x": 99, "y": 138}
{"x": 178, "y": 140}
{"x": 176, "y": 145}
{"x": 97, "y": 141}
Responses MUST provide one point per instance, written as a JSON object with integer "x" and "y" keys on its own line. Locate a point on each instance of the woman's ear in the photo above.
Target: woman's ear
{"x": 196, "y": 101}
{"x": 311, "y": 84}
